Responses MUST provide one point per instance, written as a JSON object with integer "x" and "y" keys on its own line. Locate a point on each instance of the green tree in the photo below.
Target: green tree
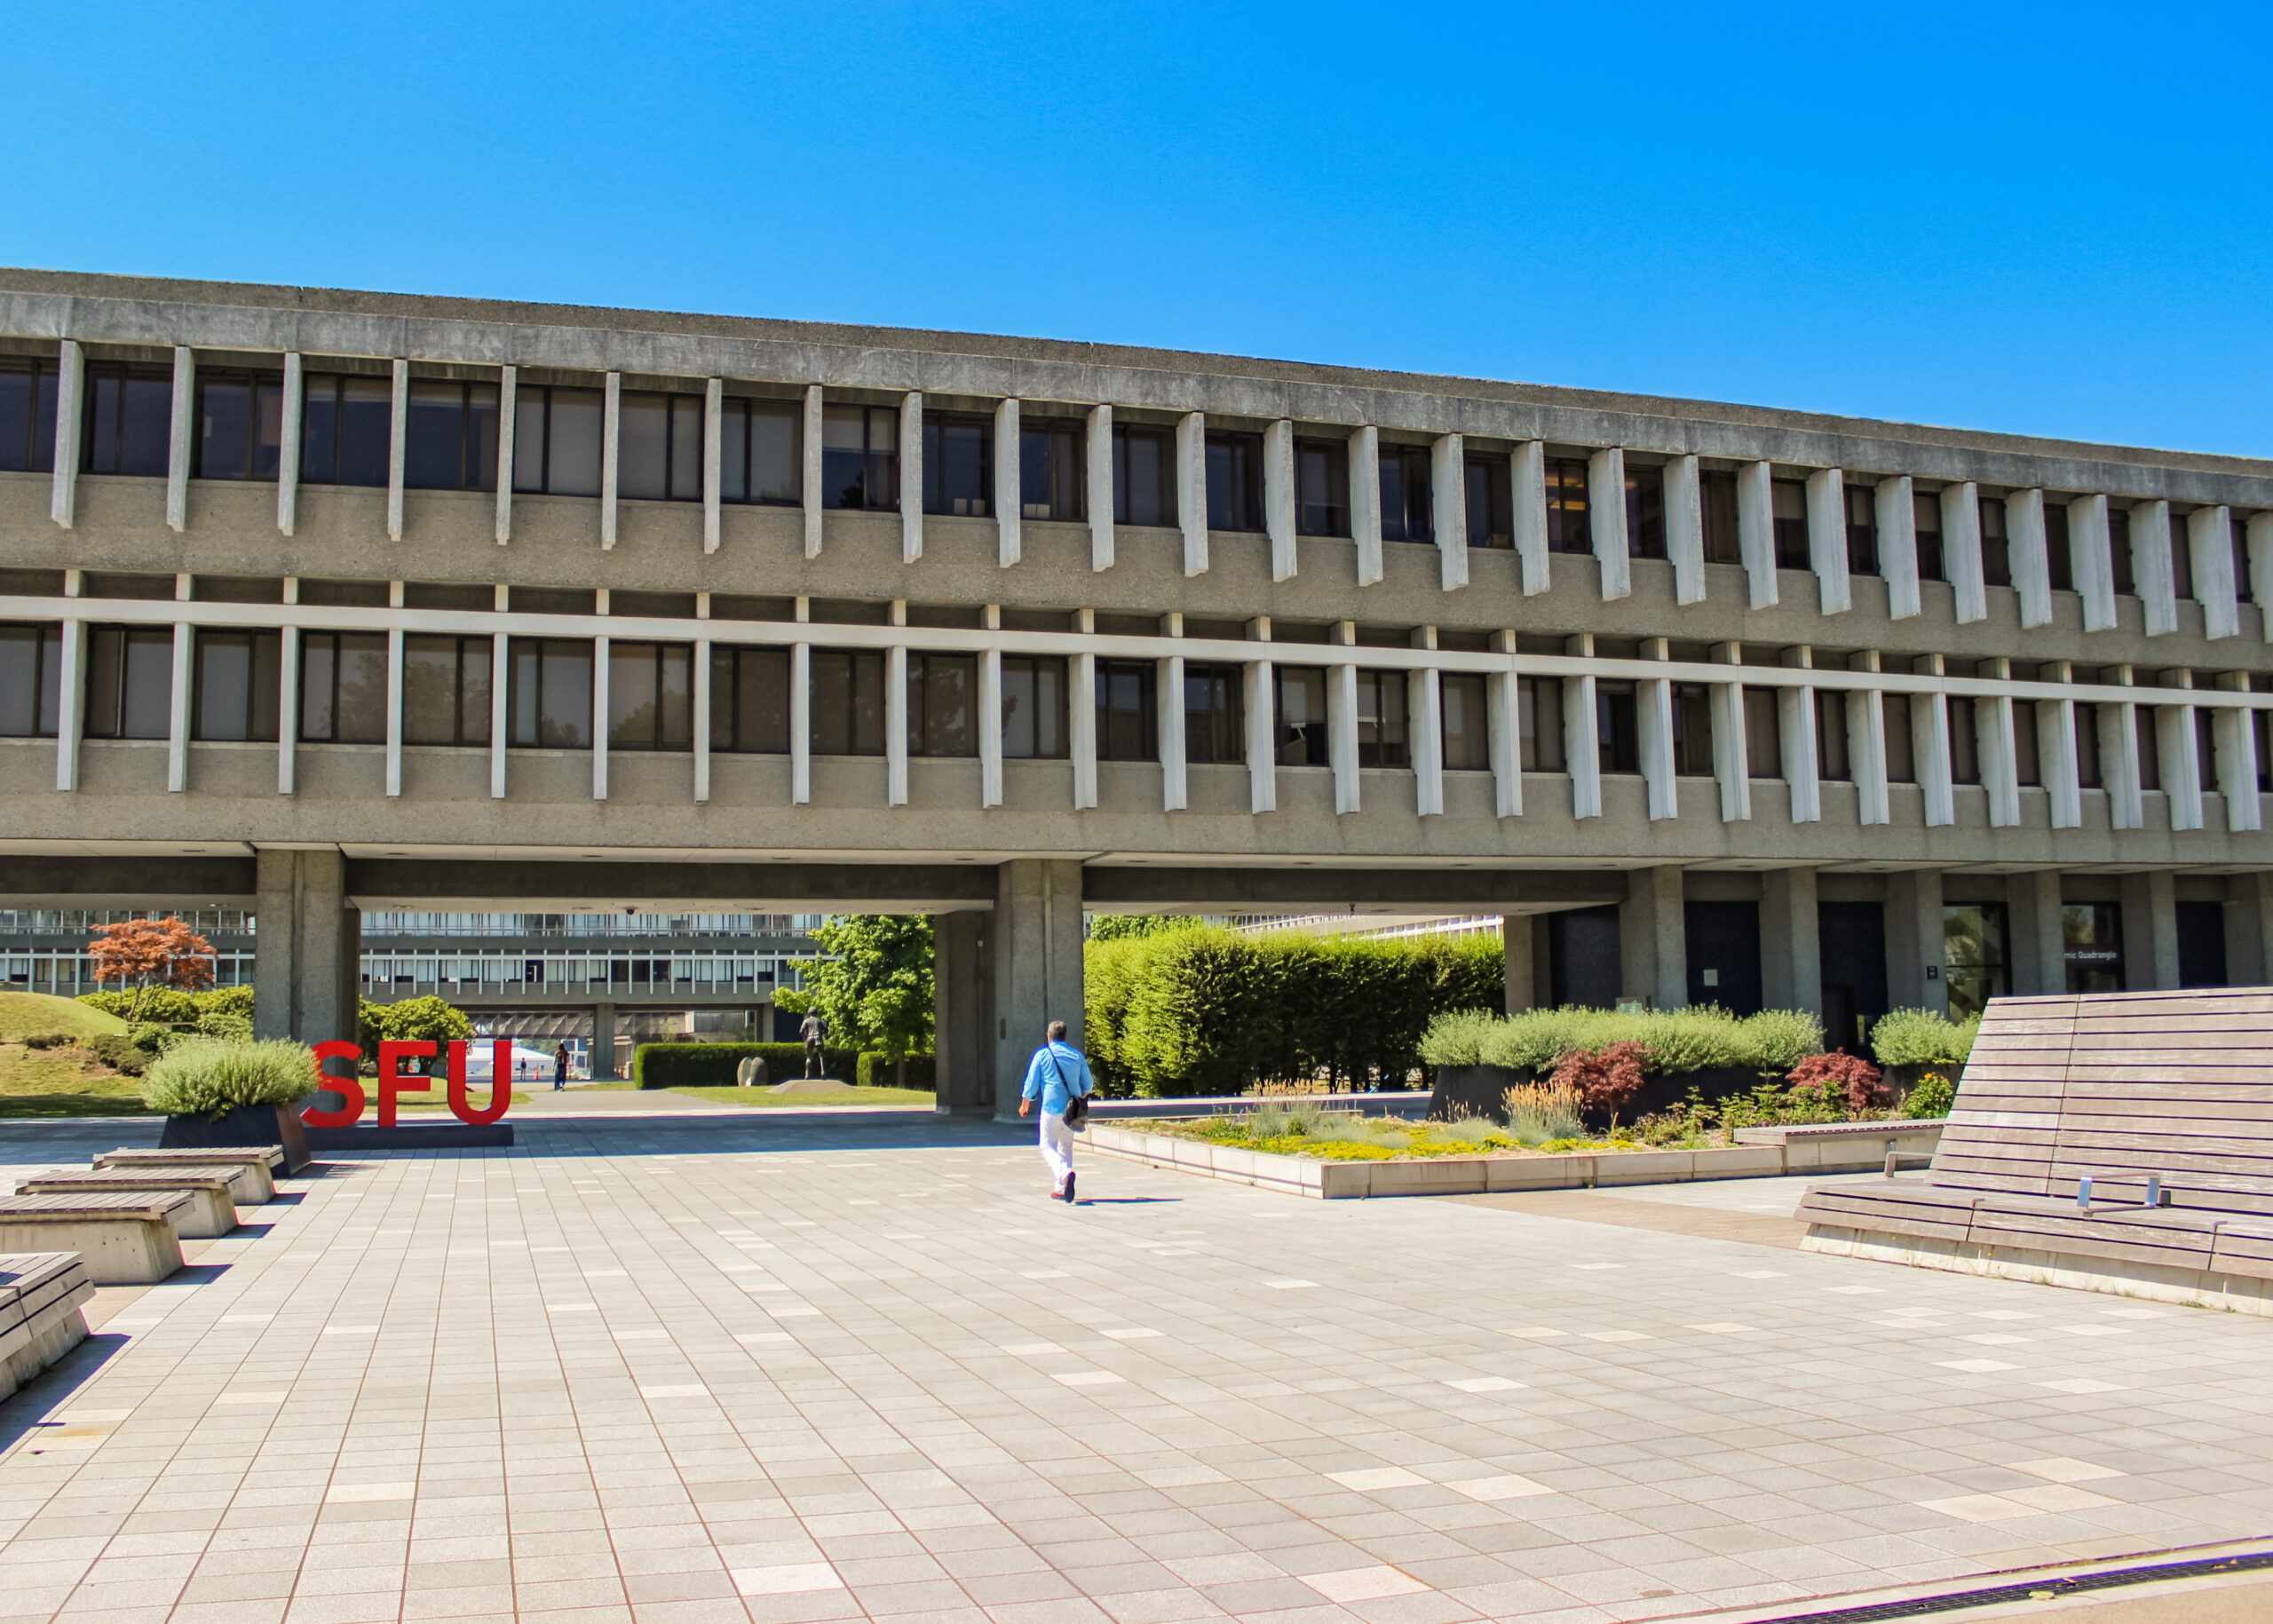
{"x": 428, "y": 1020}
{"x": 1120, "y": 927}
{"x": 875, "y": 992}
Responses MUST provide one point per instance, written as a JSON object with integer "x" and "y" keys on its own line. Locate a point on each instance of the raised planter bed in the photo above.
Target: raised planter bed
{"x": 248, "y": 1127}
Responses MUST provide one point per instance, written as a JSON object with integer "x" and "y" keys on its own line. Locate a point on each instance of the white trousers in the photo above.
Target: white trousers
{"x": 1057, "y": 1150}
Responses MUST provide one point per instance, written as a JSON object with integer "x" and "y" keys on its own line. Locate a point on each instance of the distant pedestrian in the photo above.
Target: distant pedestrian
{"x": 815, "y": 1031}
{"x": 559, "y": 1067}
{"x": 1059, "y": 1079}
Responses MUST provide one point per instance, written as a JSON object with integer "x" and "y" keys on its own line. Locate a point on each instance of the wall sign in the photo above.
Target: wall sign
{"x": 392, "y": 1083}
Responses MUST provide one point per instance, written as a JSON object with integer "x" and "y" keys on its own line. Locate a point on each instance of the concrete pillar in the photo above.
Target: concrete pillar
{"x": 1961, "y": 551}
{"x": 911, "y": 477}
{"x": 1653, "y": 711}
{"x": 1582, "y": 740}
{"x": 2209, "y": 539}
{"x": 1606, "y": 517}
{"x": 288, "y": 450}
{"x": 1732, "y": 758}
{"x": 1527, "y": 481}
{"x": 1756, "y": 531}
{"x": 1503, "y": 704}
{"x": 604, "y": 1042}
{"x": 1866, "y": 746}
{"x": 501, "y": 670}
{"x": 896, "y": 719}
{"x": 1685, "y": 529}
{"x": 1448, "y": 498}
{"x": 287, "y": 706}
{"x": 394, "y": 706}
{"x": 1010, "y": 490}
{"x": 2151, "y": 568}
{"x": 178, "y": 719}
{"x": 179, "y": 445}
{"x": 1653, "y": 938}
{"x": 70, "y": 414}
{"x": 2039, "y": 959}
{"x": 1916, "y": 976}
{"x": 990, "y": 722}
{"x": 1191, "y": 490}
{"x": 1260, "y": 698}
{"x": 1279, "y": 496}
{"x": 1802, "y": 766}
{"x": 714, "y": 435}
{"x": 1790, "y": 946}
{"x": 1992, "y": 731}
{"x": 810, "y": 459}
{"x": 600, "y": 705}
{"x": 1827, "y": 539}
{"x": 2149, "y": 931}
{"x": 71, "y": 714}
{"x": 2092, "y": 560}
{"x": 307, "y": 943}
{"x": 2179, "y": 752}
{"x": 1099, "y": 444}
{"x": 1168, "y": 688}
{"x": 611, "y": 453}
{"x": 1081, "y": 723}
{"x": 2031, "y": 563}
{"x": 1515, "y": 939}
{"x": 398, "y": 445}
{"x": 1037, "y": 965}
{"x": 1342, "y": 728}
{"x": 1930, "y": 750}
{"x": 2057, "y": 761}
{"x": 961, "y": 1008}
{"x": 2249, "y": 929}
{"x": 2259, "y": 535}
{"x": 2236, "y": 737}
{"x": 1894, "y": 508}
{"x": 800, "y": 719}
{"x": 1366, "y": 501}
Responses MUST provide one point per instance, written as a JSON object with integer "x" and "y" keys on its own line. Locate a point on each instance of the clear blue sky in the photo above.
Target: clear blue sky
{"x": 2044, "y": 221}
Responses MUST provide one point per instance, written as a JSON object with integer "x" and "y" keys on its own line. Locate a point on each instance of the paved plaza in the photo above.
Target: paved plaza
{"x": 696, "y": 1368}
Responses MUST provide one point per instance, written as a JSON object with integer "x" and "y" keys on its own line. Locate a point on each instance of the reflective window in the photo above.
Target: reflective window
{"x": 237, "y": 684}
{"x": 1125, "y": 710}
{"x": 130, "y": 418}
{"x": 1862, "y": 529}
{"x": 2118, "y": 549}
{"x": 1213, "y": 713}
{"x": 1973, "y": 955}
{"x": 346, "y": 426}
{"x": 239, "y": 425}
{"x": 1723, "y": 545}
{"x": 2058, "y": 559}
{"x": 1693, "y": 730}
{"x": 1234, "y": 480}
{"x": 943, "y": 704}
{"x": 1050, "y": 484}
{"x": 1763, "y": 734}
{"x": 1407, "y": 515}
{"x": 1618, "y": 738}
{"x": 31, "y": 669}
{"x": 1645, "y": 511}
{"x": 761, "y": 452}
{"x": 557, "y": 439}
{"x": 649, "y": 696}
{"x": 446, "y": 689}
{"x": 848, "y": 701}
{"x": 959, "y": 464}
{"x": 1567, "y": 528}
{"x": 2237, "y": 524}
{"x": 1788, "y": 506}
{"x": 1299, "y": 733}
{"x": 549, "y": 694}
{"x": 450, "y": 436}
{"x": 2091, "y": 939}
{"x": 2088, "y": 766}
{"x": 27, "y": 415}
{"x": 1831, "y": 759}
{"x": 1321, "y": 487}
{"x": 1926, "y": 513}
{"x": 659, "y": 447}
{"x": 1965, "y": 744}
{"x": 2025, "y": 754}
{"x": 1539, "y": 721}
{"x": 749, "y": 700}
{"x": 859, "y": 459}
{"x": 2150, "y": 759}
{"x": 1491, "y": 501}
{"x": 1033, "y": 707}
{"x": 1901, "y": 760}
{"x": 343, "y": 688}
{"x": 1996, "y": 549}
{"x": 1466, "y": 718}
{"x": 2182, "y": 554}
{"x": 1143, "y": 475}
{"x": 1385, "y": 719}
{"x": 130, "y": 681}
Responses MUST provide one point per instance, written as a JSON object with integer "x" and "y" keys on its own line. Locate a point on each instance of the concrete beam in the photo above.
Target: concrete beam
{"x": 1248, "y": 889}
{"x": 538, "y": 885}
{"x": 127, "y": 881}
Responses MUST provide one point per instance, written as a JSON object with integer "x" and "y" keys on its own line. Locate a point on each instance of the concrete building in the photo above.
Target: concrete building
{"x": 1706, "y": 701}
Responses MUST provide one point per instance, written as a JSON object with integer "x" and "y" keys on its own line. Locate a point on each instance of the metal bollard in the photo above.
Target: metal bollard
{"x": 2084, "y": 1193}
{"x": 2154, "y": 1189}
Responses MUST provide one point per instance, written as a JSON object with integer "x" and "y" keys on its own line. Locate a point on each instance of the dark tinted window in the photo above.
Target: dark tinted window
{"x": 859, "y": 460}
{"x": 943, "y": 703}
{"x": 1213, "y": 717}
{"x": 759, "y": 455}
{"x": 1788, "y": 503}
{"x": 1299, "y": 736}
{"x": 1693, "y": 730}
{"x": 1539, "y": 721}
{"x": 1050, "y": 480}
{"x": 649, "y": 696}
{"x": 27, "y": 415}
{"x": 1927, "y": 512}
{"x": 1862, "y": 530}
{"x": 450, "y": 441}
{"x": 1234, "y": 481}
{"x": 2058, "y": 559}
{"x": 31, "y": 668}
{"x": 659, "y": 447}
{"x": 1617, "y": 733}
{"x": 1143, "y": 475}
{"x": 346, "y": 428}
{"x": 848, "y": 702}
{"x": 239, "y": 425}
{"x": 130, "y": 418}
{"x": 2182, "y": 554}
{"x": 557, "y": 440}
{"x": 1125, "y": 711}
{"x": 446, "y": 688}
{"x": 1321, "y": 487}
{"x": 1996, "y": 550}
{"x": 237, "y": 684}
{"x": 1384, "y": 720}
{"x": 1645, "y": 511}
{"x": 1723, "y": 543}
{"x": 1490, "y": 501}
{"x": 549, "y": 698}
{"x": 1033, "y": 707}
{"x": 130, "y": 681}
{"x": 958, "y": 464}
{"x": 1465, "y": 716}
{"x": 749, "y": 700}
{"x": 1407, "y": 515}
{"x": 1567, "y": 530}
{"x": 343, "y": 688}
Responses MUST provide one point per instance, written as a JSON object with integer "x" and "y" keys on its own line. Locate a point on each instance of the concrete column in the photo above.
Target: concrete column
{"x": 500, "y": 673}
{"x": 1366, "y": 501}
{"x": 2040, "y": 963}
{"x": 1503, "y": 704}
{"x": 611, "y": 455}
{"x": 2151, "y": 568}
{"x": 1653, "y": 707}
{"x": 2237, "y": 742}
{"x": 1653, "y": 938}
{"x": 1191, "y": 489}
{"x": 1515, "y": 939}
{"x": 2031, "y": 563}
{"x": 811, "y": 484}
{"x": 178, "y": 713}
{"x": 714, "y": 433}
{"x": 1606, "y": 517}
{"x": 1961, "y": 551}
{"x": 990, "y": 719}
{"x": 1425, "y": 703}
{"x": 2092, "y": 560}
{"x": 71, "y": 713}
{"x": 1827, "y": 539}
{"x": 1894, "y": 507}
{"x": 1583, "y": 746}
{"x": 1448, "y": 496}
{"x": 801, "y": 720}
{"x": 1756, "y": 531}
{"x": 1916, "y": 977}
{"x": 2249, "y": 929}
{"x": 603, "y": 1042}
{"x": 600, "y": 710}
{"x": 2209, "y": 539}
{"x": 1791, "y": 949}
{"x": 2259, "y": 535}
{"x": 1341, "y": 730}
{"x": 2057, "y": 762}
{"x": 70, "y": 415}
{"x": 398, "y": 445}
{"x": 1279, "y": 497}
{"x": 508, "y": 415}
{"x": 2179, "y": 752}
{"x": 394, "y": 701}
{"x": 287, "y": 697}
{"x": 1527, "y": 482}
{"x": 1867, "y": 755}
{"x": 179, "y": 445}
{"x": 896, "y": 723}
{"x": 701, "y": 720}
{"x": 1010, "y": 490}
{"x": 911, "y": 476}
{"x": 961, "y": 1011}
{"x": 1099, "y": 444}
{"x": 1168, "y": 687}
{"x": 2149, "y": 931}
{"x": 1037, "y": 962}
{"x": 1992, "y": 728}
{"x": 1262, "y": 764}
{"x": 1081, "y": 725}
{"x": 307, "y": 970}
{"x": 1930, "y": 750}
{"x": 1795, "y": 716}
{"x": 1731, "y": 765}
{"x": 2119, "y": 765}
{"x": 288, "y": 449}
{"x": 1685, "y": 529}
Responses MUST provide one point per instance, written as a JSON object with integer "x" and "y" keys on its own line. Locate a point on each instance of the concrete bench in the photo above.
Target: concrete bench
{"x": 128, "y": 1238}
{"x": 2160, "y": 1105}
{"x": 40, "y": 1317}
{"x": 256, "y": 1167}
{"x": 212, "y": 1211}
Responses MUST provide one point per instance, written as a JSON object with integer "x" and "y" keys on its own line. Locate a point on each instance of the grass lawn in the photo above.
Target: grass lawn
{"x": 477, "y": 1092}
{"x": 56, "y": 1082}
{"x": 22, "y": 1014}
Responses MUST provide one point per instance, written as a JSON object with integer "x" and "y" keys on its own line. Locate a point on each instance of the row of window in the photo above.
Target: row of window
{"x": 446, "y": 700}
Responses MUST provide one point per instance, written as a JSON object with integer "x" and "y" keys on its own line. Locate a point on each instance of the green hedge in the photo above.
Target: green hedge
{"x": 1922, "y": 1037}
{"x": 167, "y": 1006}
{"x": 877, "y": 1072}
{"x": 711, "y": 1065}
{"x": 1701, "y": 1038}
{"x": 1207, "y": 1011}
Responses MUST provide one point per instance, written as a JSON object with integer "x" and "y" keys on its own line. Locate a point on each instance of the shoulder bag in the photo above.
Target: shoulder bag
{"x": 1077, "y": 1105}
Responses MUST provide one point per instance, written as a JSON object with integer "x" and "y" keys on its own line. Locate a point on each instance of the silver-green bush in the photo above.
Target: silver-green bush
{"x": 213, "y": 1076}
{"x": 1703, "y": 1038}
{"x": 1922, "y": 1037}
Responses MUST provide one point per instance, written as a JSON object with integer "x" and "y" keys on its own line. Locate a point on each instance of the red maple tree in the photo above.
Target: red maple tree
{"x": 151, "y": 952}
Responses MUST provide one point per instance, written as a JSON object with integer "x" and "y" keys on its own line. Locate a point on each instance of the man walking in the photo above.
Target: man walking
{"x": 559, "y": 1067}
{"x": 1057, "y": 1076}
{"x": 815, "y": 1031}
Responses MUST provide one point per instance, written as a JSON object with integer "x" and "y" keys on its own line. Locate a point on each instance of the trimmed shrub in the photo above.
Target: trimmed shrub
{"x": 1606, "y": 1079}
{"x": 170, "y": 1007}
{"x": 1846, "y": 1075}
{"x": 711, "y": 1065}
{"x": 879, "y": 1071}
{"x": 213, "y": 1076}
{"x": 1922, "y": 1037}
{"x": 1702, "y": 1038}
{"x": 1932, "y": 1096}
{"x": 48, "y": 1040}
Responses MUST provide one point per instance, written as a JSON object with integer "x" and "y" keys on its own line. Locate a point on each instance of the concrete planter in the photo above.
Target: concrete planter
{"x": 246, "y": 1128}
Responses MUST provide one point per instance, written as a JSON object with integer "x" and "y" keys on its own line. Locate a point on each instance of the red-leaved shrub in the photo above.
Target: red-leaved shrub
{"x": 1850, "y": 1074}
{"x": 1607, "y": 1079}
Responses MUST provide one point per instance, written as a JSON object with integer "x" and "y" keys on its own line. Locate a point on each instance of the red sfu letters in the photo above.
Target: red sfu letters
{"x": 391, "y": 1082}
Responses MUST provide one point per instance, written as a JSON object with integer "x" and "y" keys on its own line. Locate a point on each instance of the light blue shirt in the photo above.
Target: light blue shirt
{"x": 1056, "y": 1086}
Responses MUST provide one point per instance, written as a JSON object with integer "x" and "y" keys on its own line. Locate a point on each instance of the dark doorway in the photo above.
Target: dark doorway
{"x": 1853, "y": 941}
{"x": 1724, "y": 940}
{"x": 2202, "y": 943}
{"x": 1582, "y": 961}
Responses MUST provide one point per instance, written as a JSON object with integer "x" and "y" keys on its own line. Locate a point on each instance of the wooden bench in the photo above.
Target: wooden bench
{"x": 40, "y": 1317}
{"x": 2072, "y": 1110}
{"x": 212, "y": 1211}
{"x": 257, "y": 1167}
{"x": 127, "y": 1237}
